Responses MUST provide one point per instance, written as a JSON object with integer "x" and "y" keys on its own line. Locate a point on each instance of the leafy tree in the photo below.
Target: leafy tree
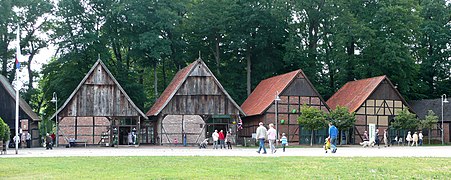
{"x": 342, "y": 119}
{"x": 405, "y": 121}
{"x": 429, "y": 122}
{"x": 8, "y": 25}
{"x": 4, "y": 131}
{"x": 432, "y": 51}
{"x": 312, "y": 118}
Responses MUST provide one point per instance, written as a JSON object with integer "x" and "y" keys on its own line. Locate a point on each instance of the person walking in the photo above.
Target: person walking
{"x": 228, "y": 140}
{"x": 376, "y": 138}
{"x": 272, "y": 138}
{"x": 215, "y": 137}
{"x": 284, "y": 141}
{"x": 28, "y": 139}
{"x": 221, "y": 139}
{"x": 386, "y": 138}
{"x": 261, "y": 136}
{"x": 415, "y": 139}
{"x": 333, "y": 134}
{"x": 53, "y": 139}
{"x": 48, "y": 142}
{"x": 420, "y": 138}
{"x": 408, "y": 138}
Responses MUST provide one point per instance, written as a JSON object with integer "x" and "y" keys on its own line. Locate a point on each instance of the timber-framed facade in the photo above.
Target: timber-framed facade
{"x": 294, "y": 90}
{"x": 98, "y": 110}
{"x": 374, "y": 101}
{"x": 192, "y": 106}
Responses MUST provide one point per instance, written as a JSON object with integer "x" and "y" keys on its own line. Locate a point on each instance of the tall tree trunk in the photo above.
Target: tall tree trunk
{"x": 217, "y": 55}
{"x": 311, "y": 139}
{"x": 4, "y": 53}
{"x": 248, "y": 70}
{"x": 155, "y": 79}
{"x": 30, "y": 72}
{"x": 429, "y": 136}
{"x": 164, "y": 71}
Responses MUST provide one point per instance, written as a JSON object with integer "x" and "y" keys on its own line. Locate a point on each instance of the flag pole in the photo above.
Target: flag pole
{"x": 16, "y": 137}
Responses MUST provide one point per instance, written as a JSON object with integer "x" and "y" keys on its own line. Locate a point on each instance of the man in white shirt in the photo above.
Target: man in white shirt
{"x": 261, "y": 136}
{"x": 215, "y": 137}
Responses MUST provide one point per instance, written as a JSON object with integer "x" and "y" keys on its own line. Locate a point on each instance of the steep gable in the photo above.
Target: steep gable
{"x": 8, "y": 101}
{"x": 294, "y": 83}
{"x": 353, "y": 94}
{"x": 99, "y": 94}
{"x": 194, "y": 90}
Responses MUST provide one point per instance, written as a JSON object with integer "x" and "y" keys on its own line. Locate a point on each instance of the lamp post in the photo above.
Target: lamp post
{"x": 55, "y": 100}
{"x": 444, "y": 100}
{"x": 276, "y": 102}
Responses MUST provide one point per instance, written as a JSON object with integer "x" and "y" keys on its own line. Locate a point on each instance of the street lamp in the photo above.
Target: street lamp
{"x": 444, "y": 100}
{"x": 276, "y": 101}
{"x": 55, "y": 100}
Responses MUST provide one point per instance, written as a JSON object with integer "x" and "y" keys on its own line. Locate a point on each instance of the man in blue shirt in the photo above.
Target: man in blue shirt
{"x": 333, "y": 134}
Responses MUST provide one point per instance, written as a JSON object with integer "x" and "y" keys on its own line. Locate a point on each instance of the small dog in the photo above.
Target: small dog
{"x": 367, "y": 144}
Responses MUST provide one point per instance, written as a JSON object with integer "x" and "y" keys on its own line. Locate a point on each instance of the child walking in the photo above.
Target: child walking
{"x": 284, "y": 141}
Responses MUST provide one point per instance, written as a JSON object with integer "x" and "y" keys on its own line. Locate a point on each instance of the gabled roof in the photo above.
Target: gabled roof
{"x": 354, "y": 93}
{"x": 421, "y": 107}
{"x": 100, "y": 63}
{"x": 175, "y": 84}
{"x": 22, "y": 104}
{"x": 263, "y": 96}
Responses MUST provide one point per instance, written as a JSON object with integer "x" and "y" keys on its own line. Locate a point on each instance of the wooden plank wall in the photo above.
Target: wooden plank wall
{"x": 99, "y": 96}
{"x": 200, "y": 95}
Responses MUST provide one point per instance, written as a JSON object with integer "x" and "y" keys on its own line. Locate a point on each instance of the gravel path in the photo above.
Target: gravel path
{"x": 354, "y": 151}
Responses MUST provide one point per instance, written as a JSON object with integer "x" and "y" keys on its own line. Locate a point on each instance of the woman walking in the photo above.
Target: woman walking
{"x": 272, "y": 137}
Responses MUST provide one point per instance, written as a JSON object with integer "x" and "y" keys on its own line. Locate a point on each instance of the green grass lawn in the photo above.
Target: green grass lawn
{"x": 224, "y": 168}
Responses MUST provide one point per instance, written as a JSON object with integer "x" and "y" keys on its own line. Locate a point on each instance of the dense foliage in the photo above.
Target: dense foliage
{"x": 429, "y": 122}
{"x": 342, "y": 119}
{"x": 145, "y": 42}
{"x": 4, "y": 131}
{"x": 312, "y": 119}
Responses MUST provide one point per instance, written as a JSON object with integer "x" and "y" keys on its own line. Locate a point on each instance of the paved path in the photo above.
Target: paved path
{"x": 355, "y": 151}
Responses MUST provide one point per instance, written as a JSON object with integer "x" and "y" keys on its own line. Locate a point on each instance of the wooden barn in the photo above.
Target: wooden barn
{"x": 192, "y": 106}
{"x": 374, "y": 100}
{"x": 28, "y": 120}
{"x": 97, "y": 108}
{"x": 294, "y": 90}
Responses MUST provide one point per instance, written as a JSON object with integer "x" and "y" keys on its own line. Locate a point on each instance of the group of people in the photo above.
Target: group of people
{"x": 271, "y": 135}
{"x": 22, "y": 139}
{"x": 366, "y": 140}
{"x": 222, "y": 139}
{"x": 415, "y": 138}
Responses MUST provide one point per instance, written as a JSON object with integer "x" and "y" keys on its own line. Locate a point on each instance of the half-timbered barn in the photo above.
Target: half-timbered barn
{"x": 374, "y": 101}
{"x": 192, "y": 106}
{"x": 28, "y": 120}
{"x": 97, "y": 108}
{"x": 294, "y": 90}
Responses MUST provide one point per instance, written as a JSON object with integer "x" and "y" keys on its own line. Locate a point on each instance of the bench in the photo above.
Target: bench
{"x": 72, "y": 142}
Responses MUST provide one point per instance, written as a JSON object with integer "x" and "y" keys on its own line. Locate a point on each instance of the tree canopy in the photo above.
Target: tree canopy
{"x": 145, "y": 42}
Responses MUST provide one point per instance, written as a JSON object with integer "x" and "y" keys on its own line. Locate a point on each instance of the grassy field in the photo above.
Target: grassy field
{"x": 224, "y": 168}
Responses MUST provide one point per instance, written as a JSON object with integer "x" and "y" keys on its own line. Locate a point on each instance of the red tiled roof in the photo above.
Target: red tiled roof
{"x": 353, "y": 94}
{"x": 263, "y": 95}
{"x": 165, "y": 97}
